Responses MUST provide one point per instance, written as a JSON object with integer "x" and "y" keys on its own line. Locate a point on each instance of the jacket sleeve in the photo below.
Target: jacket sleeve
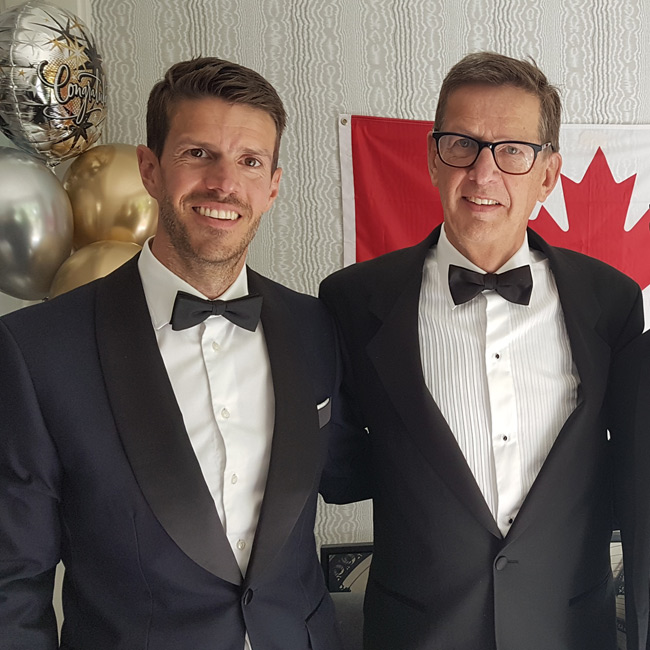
{"x": 629, "y": 425}
{"x": 346, "y": 475}
{"x": 29, "y": 496}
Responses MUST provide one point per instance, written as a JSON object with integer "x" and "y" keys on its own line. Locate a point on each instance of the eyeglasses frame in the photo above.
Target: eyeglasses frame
{"x": 483, "y": 144}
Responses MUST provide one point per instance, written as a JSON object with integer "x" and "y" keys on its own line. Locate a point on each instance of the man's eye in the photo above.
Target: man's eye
{"x": 252, "y": 162}
{"x": 197, "y": 153}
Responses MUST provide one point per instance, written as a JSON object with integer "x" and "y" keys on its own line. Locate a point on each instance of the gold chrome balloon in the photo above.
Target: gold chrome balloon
{"x": 35, "y": 225}
{"x": 91, "y": 262}
{"x": 109, "y": 201}
{"x": 52, "y": 101}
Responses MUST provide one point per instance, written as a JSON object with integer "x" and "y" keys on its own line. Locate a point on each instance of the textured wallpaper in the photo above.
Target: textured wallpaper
{"x": 372, "y": 57}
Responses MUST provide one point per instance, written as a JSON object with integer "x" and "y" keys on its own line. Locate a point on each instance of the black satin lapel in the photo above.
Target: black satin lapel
{"x": 400, "y": 369}
{"x": 295, "y": 450}
{"x": 581, "y": 315}
{"x": 590, "y": 352}
{"x": 553, "y": 476}
{"x": 591, "y": 356}
{"x": 151, "y": 426}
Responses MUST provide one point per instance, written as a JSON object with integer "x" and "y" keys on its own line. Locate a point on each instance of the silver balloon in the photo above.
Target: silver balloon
{"x": 52, "y": 101}
{"x": 35, "y": 225}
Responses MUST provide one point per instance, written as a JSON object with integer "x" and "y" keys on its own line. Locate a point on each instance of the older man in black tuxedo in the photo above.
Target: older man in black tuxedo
{"x": 480, "y": 364}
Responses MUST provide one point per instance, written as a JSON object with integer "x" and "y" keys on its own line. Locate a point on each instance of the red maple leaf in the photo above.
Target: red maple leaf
{"x": 597, "y": 207}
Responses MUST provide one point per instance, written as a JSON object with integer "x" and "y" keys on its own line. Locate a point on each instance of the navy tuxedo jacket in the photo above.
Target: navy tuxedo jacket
{"x": 96, "y": 469}
{"x": 442, "y": 575}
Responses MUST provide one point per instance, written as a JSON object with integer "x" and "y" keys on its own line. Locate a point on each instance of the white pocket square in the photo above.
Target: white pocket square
{"x": 324, "y": 412}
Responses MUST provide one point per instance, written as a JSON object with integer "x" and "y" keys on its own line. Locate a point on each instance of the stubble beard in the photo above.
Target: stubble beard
{"x": 216, "y": 261}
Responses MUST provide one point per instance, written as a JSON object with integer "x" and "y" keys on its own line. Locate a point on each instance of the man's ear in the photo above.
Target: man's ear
{"x": 275, "y": 186}
{"x": 551, "y": 175}
{"x": 149, "y": 167}
{"x": 432, "y": 156}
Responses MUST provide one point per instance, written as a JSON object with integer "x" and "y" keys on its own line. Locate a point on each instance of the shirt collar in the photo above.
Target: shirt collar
{"x": 446, "y": 254}
{"x": 161, "y": 285}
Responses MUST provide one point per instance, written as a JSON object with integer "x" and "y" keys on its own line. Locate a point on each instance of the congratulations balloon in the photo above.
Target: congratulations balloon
{"x": 51, "y": 82}
{"x": 91, "y": 262}
{"x": 109, "y": 201}
{"x": 35, "y": 225}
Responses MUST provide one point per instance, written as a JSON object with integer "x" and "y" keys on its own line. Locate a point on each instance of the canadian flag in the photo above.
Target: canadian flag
{"x": 600, "y": 206}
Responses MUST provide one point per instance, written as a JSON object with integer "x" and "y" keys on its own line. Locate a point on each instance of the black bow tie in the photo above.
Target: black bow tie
{"x": 515, "y": 285}
{"x": 191, "y": 310}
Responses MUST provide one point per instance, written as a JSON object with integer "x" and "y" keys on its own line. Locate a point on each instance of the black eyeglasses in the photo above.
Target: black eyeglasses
{"x": 510, "y": 156}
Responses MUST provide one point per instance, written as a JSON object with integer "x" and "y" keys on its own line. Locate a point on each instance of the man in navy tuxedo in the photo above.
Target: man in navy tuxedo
{"x": 163, "y": 429}
{"x": 480, "y": 362}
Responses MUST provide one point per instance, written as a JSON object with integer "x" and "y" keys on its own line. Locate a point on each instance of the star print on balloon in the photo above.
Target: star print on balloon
{"x": 52, "y": 85}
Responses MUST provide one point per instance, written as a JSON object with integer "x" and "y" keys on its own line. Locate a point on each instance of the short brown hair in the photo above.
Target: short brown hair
{"x": 492, "y": 69}
{"x": 210, "y": 77}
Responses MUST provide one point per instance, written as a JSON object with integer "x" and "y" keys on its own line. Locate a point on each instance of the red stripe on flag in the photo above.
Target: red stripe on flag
{"x": 395, "y": 203}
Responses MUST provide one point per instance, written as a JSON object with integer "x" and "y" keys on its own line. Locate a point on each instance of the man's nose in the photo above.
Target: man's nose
{"x": 222, "y": 175}
{"x": 484, "y": 167}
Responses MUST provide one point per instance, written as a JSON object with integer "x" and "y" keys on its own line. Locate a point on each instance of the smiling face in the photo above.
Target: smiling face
{"x": 486, "y": 211}
{"x": 213, "y": 182}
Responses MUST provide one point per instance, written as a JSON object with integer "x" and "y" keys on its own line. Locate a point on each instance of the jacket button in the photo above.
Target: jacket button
{"x": 501, "y": 563}
{"x": 248, "y": 596}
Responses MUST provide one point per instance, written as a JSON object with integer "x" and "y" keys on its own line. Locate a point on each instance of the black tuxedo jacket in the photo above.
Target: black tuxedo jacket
{"x": 442, "y": 576}
{"x": 631, "y": 387}
{"x": 96, "y": 468}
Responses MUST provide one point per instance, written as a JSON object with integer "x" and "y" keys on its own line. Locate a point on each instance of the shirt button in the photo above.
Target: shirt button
{"x": 497, "y": 356}
{"x": 241, "y": 544}
{"x": 215, "y": 346}
{"x": 505, "y": 438}
{"x": 225, "y": 413}
{"x": 510, "y": 520}
{"x": 234, "y": 478}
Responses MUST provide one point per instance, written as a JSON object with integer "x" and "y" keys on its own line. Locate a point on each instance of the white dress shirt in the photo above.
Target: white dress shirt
{"x": 221, "y": 376}
{"x": 502, "y": 374}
